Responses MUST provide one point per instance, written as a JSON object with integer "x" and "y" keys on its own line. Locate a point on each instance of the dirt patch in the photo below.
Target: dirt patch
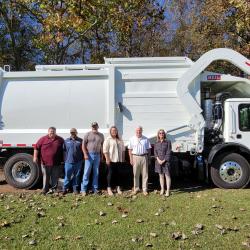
{"x": 6, "y": 188}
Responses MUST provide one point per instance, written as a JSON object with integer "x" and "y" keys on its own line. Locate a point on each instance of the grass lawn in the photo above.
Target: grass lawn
{"x": 32, "y": 221}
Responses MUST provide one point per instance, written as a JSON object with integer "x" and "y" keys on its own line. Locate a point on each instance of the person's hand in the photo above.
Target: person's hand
{"x": 131, "y": 162}
{"x": 159, "y": 161}
{"x": 86, "y": 157}
{"x": 108, "y": 162}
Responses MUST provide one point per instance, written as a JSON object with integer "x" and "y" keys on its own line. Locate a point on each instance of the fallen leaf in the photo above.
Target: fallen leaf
{"x": 235, "y": 229}
{"x": 122, "y": 210}
{"x": 40, "y": 214}
{"x": 5, "y": 224}
{"x": 114, "y": 221}
{"x": 32, "y": 242}
{"x": 157, "y": 214}
{"x": 184, "y": 237}
{"x": 137, "y": 239}
{"x": 97, "y": 222}
{"x": 242, "y": 209}
{"x": 110, "y": 204}
{"x": 59, "y": 237}
{"x": 8, "y": 238}
{"x": 219, "y": 226}
{"x": 149, "y": 245}
{"x": 139, "y": 221}
{"x": 153, "y": 235}
{"x": 161, "y": 210}
{"x": 196, "y": 232}
{"x": 25, "y": 236}
{"x": 199, "y": 226}
{"x": 197, "y": 244}
{"x": 60, "y": 218}
{"x": 176, "y": 235}
{"x": 246, "y": 244}
{"x": 78, "y": 237}
{"x": 124, "y": 215}
{"x": 223, "y": 231}
{"x": 101, "y": 213}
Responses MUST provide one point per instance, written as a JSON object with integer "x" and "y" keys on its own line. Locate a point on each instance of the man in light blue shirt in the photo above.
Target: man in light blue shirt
{"x": 73, "y": 157}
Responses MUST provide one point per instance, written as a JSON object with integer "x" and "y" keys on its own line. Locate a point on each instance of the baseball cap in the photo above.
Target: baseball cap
{"x": 73, "y": 130}
{"x": 94, "y": 124}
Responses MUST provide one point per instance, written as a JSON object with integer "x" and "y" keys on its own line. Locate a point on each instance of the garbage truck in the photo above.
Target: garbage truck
{"x": 206, "y": 114}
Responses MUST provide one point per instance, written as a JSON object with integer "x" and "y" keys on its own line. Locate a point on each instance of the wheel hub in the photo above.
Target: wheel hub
{"x": 21, "y": 171}
{"x": 230, "y": 171}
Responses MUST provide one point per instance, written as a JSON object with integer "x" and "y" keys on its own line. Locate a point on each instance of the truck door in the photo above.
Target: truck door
{"x": 243, "y": 124}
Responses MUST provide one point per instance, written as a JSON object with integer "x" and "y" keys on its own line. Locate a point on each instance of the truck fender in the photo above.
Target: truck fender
{"x": 227, "y": 147}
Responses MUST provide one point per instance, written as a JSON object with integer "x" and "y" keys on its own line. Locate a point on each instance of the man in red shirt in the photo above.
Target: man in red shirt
{"x": 49, "y": 152}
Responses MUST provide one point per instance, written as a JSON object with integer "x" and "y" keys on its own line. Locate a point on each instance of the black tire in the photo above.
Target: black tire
{"x": 239, "y": 182}
{"x": 31, "y": 173}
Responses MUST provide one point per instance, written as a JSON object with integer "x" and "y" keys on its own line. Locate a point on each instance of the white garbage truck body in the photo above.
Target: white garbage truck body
{"x": 172, "y": 93}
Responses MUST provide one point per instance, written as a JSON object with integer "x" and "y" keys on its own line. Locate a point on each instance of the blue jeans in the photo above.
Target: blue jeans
{"x": 93, "y": 161}
{"x": 72, "y": 171}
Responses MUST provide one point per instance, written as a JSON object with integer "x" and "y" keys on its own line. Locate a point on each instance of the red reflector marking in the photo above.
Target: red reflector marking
{"x": 6, "y": 145}
{"x": 33, "y": 145}
{"x": 21, "y": 145}
{"x": 248, "y": 63}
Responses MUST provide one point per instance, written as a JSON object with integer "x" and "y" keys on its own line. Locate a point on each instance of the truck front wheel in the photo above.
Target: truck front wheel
{"x": 21, "y": 172}
{"x": 230, "y": 171}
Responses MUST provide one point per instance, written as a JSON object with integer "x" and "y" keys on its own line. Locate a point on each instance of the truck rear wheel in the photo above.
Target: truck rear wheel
{"x": 21, "y": 172}
{"x": 230, "y": 171}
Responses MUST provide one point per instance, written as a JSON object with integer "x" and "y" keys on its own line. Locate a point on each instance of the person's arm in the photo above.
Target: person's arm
{"x": 130, "y": 148}
{"x": 84, "y": 147}
{"x": 106, "y": 152}
{"x": 156, "y": 154}
{"x": 35, "y": 155}
{"x": 37, "y": 148}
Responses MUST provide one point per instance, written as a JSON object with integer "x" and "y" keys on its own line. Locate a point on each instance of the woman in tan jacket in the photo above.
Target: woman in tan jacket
{"x": 114, "y": 151}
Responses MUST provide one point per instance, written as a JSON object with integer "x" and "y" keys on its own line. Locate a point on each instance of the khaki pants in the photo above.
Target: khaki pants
{"x": 140, "y": 167}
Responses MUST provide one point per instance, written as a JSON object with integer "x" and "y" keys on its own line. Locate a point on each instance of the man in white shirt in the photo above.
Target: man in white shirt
{"x": 139, "y": 149}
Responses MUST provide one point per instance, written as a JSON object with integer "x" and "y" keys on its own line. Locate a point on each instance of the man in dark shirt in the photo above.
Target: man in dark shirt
{"x": 73, "y": 157}
{"x": 49, "y": 152}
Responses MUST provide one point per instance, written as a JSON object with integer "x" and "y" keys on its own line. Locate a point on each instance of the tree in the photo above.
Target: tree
{"x": 15, "y": 36}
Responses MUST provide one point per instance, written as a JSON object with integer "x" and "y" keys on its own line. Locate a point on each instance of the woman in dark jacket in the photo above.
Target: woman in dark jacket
{"x": 162, "y": 152}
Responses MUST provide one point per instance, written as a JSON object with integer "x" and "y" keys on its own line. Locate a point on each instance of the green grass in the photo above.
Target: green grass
{"x": 181, "y": 212}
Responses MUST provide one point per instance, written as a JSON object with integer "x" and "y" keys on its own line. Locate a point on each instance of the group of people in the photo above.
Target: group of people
{"x": 52, "y": 150}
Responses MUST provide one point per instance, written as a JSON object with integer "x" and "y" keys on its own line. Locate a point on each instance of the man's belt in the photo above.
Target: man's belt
{"x": 140, "y": 155}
